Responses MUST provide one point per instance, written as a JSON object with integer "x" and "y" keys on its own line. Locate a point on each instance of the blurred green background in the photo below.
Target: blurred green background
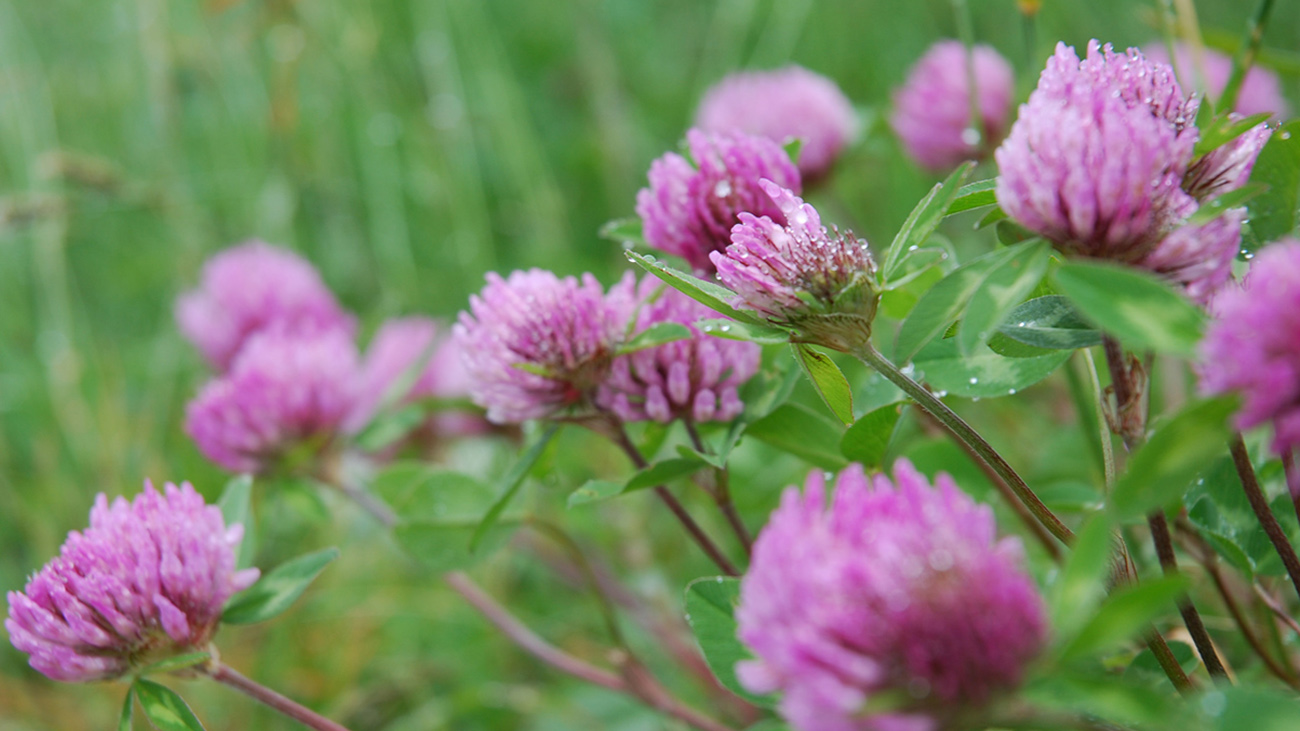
{"x": 405, "y": 147}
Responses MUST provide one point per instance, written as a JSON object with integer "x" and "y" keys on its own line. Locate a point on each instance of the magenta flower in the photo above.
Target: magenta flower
{"x": 1253, "y": 344}
{"x": 691, "y": 205}
{"x": 932, "y": 110}
{"x": 284, "y": 391}
{"x": 785, "y": 104}
{"x": 1226, "y": 167}
{"x": 798, "y": 275}
{"x": 253, "y": 287}
{"x": 534, "y": 344}
{"x": 694, "y": 379}
{"x": 1199, "y": 257}
{"x": 145, "y": 582}
{"x": 1260, "y": 90}
{"x": 891, "y": 587}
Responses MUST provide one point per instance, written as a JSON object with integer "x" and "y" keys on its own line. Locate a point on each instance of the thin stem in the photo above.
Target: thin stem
{"x": 1168, "y": 662}
{"x": 571, "y": 547}
{"x": 1191, "y": 618}
{"x": 1254, "y": 494}
{"x": 722, "y": 492}
{"x": 1276, "y": 608}
{"x": 965, "y": 434}
{"x": 1292, "y": 479}
{"x": 1245, "y": 57}
{"x": 974, "y": 133}
{"x": 225, "y": 675}
{"x": 1107, "y": 450}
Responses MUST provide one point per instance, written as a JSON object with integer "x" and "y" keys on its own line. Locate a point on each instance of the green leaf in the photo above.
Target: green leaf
{"x": 710, "y": 610}
{"x": 594, "y": 490}
{"x": 1146, "y": 663}
{"x": 276, "y": 591}
{"x": 1274, "y": 213}
{"x": 991, "y": 218}
{"x": 655, "y": 335}
{"x": 513, "y": 481}
{"x": 795, "y": 429}
{"x": 126, "y": 720}
{"x": 974, "y": 195}
{"x": 175, "y": 663}
{"x": 421, "y": 491}
{"x": 793, "y": 148}
{"x": 868, "y": 438}
{"x": 732, "y": 330}
{"x": 1002, "y": 289}
{"x": 706, "y": 293}
{"x": 1126, "y": 613}
{"x": 923, "y": 220}
{"x": 1162, "y": 470}
{"x": 234, "y": 504}
{"x": 654, "y": 475}
{"x": 627, "y": 231}
{"x": 389, "y": 427}
{"x": 1254, "y": 708}
{"x": 828, "y": 380}
{"x": 1144, "y": 312}
{"x": 1222, "y": 130}
{"x": 1051, "y": 323}
{"x": 984, "y": 374}
{"x": 166, "y": 710}
{"x": 1219, "y": 205}
{"x": 1082, "y": 583}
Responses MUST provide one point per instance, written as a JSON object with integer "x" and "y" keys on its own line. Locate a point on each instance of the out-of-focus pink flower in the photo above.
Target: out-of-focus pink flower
{"x": 1260, "y": 90}
{"x": 145, "y": 582}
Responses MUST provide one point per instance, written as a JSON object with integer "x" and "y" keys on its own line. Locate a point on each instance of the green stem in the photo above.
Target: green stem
{"x": 1245, "y": 57}
{"x": 967, "y": 435}
{"x": 966, "y": 32}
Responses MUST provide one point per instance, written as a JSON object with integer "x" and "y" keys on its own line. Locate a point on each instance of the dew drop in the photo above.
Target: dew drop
{"x": 1284, "y": 135}
{"x": 722, "y": 189}
{"x": 1011, "y": 392}
{"x": 974, "y": 380}
{"x": 970, "y": 136}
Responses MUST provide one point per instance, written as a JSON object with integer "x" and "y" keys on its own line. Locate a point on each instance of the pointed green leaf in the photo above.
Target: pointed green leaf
{"x": 706, "y": 293}
{"x": 654, "y": 475}
{"x": 126, "y": 720}
{"x": 732, "y": 330}
{"x": 1220, "y": 205}
{"x": 974, "y": 195}
{"x": 1002, "y": 289}
{"x": 1224, "y": 129}
{"x": 166, "y": 710}
{"x": 828, "y": 379}
{"x": 1126, "y": 613}
{"x": 1144, "y": 312}
{"x": 1082, "y": 583}
{"x": 1274, "y": 213}
{"x": 513, "y": 481}
{"x": 1051, "y": 323}
{"x": 806, "y": 434}
{"x": 624, "y": 231}
{"x": 991, "y": 218}
{"x": 390, "y": 426}
{"x": 984, "y": 374}
{"x": 922, "y": 221}
{"x": 710, "y": 610}
{"x": 278, "y": 590}
{"x": 234, "y": 504}
{"x": 655, "y": 335}
{"x": 868, "y": 438}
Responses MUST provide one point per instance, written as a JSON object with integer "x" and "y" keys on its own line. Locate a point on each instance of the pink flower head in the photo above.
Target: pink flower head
{"x": 1199, "y": 257}
{"x": 797, "y": 274}
{"x": 1260, "y": 90}
{"x": 1253, "y": 344}
{"x": 785, "y": 104}
{"x": 534, "y": 344}
{"x": 284, "y": 390}
{"x": 145, "y": 582}
{"x": 932, "y": 110}
{"x": 250, "y": 288}
{"x": 1097, "y": 157}
{"x": 895, "y": 586}
{"x": 1228, "y": 166}
{"x": 694, "y": 379}
{"x": 691, "y": 205}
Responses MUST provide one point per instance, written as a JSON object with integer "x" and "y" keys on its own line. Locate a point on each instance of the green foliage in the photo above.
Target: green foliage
{"x": 166, "y": 710}
{"x": 828, "y": 380}
{"x": 732, "y": 330}
{"x": 710, "y": 610}
{"x": 974, "y": 195}
{"x": 868, "y": 438}
{"x": 1051, "y": 323}
{"x": 1274, "y": 213}
{"x": 1125, "y": 614}
{"x": 659, "y": 473}
{"x": 922, "y": 221}
{"x": 796, "y": 429}
{"x": 235, "y": 509}
{"x": 1003, "y": 289}
{"x": 511, "y": 484}
{"x": 277, "y": 591}
{"x": 1144, "y": 312}
{"x": 126, "y": 719}
{"x": 706, "y": 293}
{"x": 655, "y": 335}
{"x": 984, "y": 374}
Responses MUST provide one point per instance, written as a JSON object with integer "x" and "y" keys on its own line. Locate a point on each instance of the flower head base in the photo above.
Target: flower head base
{"x": 798, "y": 275}
{"x": 283, "y": 392}
{"x": 892, "y": 587}
{"x": 932, "y": 110}
{"x": 691, "y": 205}
{"x": 146, "y": 581}
{"x": 1253, "y": 345}
{"x": 696, "y": 379}
{"x": 534, "y": 344}
{"x": 785, "y": 104}
{"x": 253, "y": 287}
{"x": 1260, "y": 91}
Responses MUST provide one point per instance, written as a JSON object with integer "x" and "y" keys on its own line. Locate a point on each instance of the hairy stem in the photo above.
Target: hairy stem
{"x": 1259, "y": 504}
{"x": 298, "y": 712}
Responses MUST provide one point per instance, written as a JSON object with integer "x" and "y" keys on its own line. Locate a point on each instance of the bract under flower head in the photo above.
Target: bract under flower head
{"x": 798, "y": 275}
{"x": 892, "y": 587}
{"x": 696, "y": 379}
{"x": 145, "y": 582}
{"x": 691, "y": 205}
{"x": 534, "y": 344}
{"x": 784, "y": 104}
{"x": 253, "y": 287}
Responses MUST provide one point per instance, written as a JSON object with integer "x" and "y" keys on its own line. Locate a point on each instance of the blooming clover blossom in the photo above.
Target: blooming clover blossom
{"x": 1252, "y": 346}
{"x": 788, "y": 103}
{"x": 249, "y": 288}
{"x": 932, "y": 110}
{"x": 1260, "y": 90}
{"x": 146, "y": 581}
{"x": 284, "y": 390}
{"x": 799, "y": 275}
{"x": 893, "y": 586}
{"x": 691, "y": 205}
{"x": 534, "y": 344}
{"x": 694, "y": 379}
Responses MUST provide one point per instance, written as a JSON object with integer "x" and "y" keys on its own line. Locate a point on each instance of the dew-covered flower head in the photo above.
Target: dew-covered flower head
{"x": 691, "y": 204}
{"x": 932, "y": 110}
{"x": 1252, "y": 346}
{"x": 798, "y": 274}
{"x": 534, "y": 344}
{"x": 893, "y": 587}
{"x": 784, "y": 104}
{"x": 253, "y": 287}
{"x": 1260, "y": 92}
{"x": 285, "y": 390}
{"x": 145, "y": 582}
{"x": 696, "y": 379}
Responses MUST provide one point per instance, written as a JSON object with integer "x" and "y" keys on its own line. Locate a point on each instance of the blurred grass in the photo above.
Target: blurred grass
{"x": 405, "y": 147}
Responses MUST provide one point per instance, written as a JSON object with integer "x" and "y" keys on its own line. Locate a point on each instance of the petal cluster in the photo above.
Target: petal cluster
{"x": 691, "y": 204}
{"x": 784, "y": 104}
{"x": 696, "y": 379}
{"x": 534, "y": 344}
{"x": 1252, "y": 346}
{"x": 250, "y": 288}
{"x": 1260, "y": 92}
{"x": 146, "y": 581}
{"x": 284, "y": 390}
{"x": 932, "y": 110}
{"x": 894, "y": 586}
